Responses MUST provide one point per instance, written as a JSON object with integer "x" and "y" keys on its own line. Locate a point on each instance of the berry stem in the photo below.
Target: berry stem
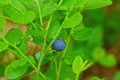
{"x": 63, "y": 55}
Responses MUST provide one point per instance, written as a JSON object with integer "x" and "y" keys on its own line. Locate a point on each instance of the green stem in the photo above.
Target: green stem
{"x": 63, "y": 55}
{"x": 56, "y": 68}
{"x": 68, "y": 40}
{"x": 49, "y": 22}
{"x": 44, "y": 44}
{"x": 4, "y": 17}
{"x": 39, "y": 10}
{"x": 59, "y": 3}
{"x": 59, "y": 68}
{"x": 42, "y": 53}
{"x": 58, "y": 32}
{"x": 15, "y": 47}
{"x": 55, "y": 65}
{"x": 16, "y": 8}
{"x": 77, "y": 76}
{"x": 34, "y": 26}
{"x": 4, "y": 39}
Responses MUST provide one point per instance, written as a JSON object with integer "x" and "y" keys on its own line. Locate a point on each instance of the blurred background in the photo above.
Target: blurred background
{"x": 106, "y": 23}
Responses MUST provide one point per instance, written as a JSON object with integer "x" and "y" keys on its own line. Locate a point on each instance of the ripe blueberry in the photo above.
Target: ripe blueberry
{"x": 59, "y": 45}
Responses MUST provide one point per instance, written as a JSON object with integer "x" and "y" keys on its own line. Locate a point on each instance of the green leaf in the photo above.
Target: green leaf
{"x": 77, "y": 65}
{"x": 67, "y": 5}
{"x": 72, "y": 21}
{"x": 97, "y": 38}
{"x": 3, "y": 2}
{"x": 53, "y": 29}
{"x": 104, "y": 79}
{"x": 108, "y": 61}
{"x": 15, "y": 52}
{"x": 79, "y": 3}
{"x": 3, "y": 46}
{"x": 96, "y": 78}
{"x": 2, "y": 68}
{"x": 63, "y": 34}
{"x": 51, "y": 71}
{"x": 2, "y": 54}
{"x": 94, "y": 15}
{"x": 51, "y": 57}
{"x": 32, "y": 59}
{"x": 66, "y": 72}
{"x": 37, "y": 35}
{"x": 86, "y": 65}
{"x": 18, "y": 5}
{"x": 15, "y": 69}
{"x": 23, "y": 19}
{"x": 8, "y": 10}
{"x": 99, "y": 54}
{"x": 17, "y": 15}
{"x": 38, "y": 40}
{"x": 24, "y": 45}
{"x": 82, "y": 33}
{"x": 67, "y": 78}
{"x": 14, "y": 36}
{"x": 35, "y": 77}
{"x": 117, "y": 76}
{"x": 62, "y": 8}
{"x": 94, "y": 4}
{"x": 2, "y": 23}
{"x": 26, "y": 1}
{"x": 72, "y": 55}
{"x": 49, "y": 7}
{"x": 58, "y": 15}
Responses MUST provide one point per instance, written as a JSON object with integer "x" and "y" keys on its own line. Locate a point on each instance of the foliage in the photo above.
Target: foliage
{"x": 47, "y": 21}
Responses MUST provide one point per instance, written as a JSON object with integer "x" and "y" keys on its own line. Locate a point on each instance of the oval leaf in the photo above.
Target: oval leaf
{"x": 109, "y": 61}
{"x": 18, "y": 5}
{"x": 72, "y": 55}
{"x": 3, "y": 46}
{"x": 15, "y": 69}
{"x": 53, "y": 29}
{"x": 77, "y": 65}
{"x": 73, "y": 21}
{"x": 49, "y": 8}
{"x": 23, "y": 19}
{"x": 94, "y": 4}
{"x": 82, "y": 34}
{"x": 2, "y": 23}
{"x": 14, "y": 36}
{"x": 99, "y": 54}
